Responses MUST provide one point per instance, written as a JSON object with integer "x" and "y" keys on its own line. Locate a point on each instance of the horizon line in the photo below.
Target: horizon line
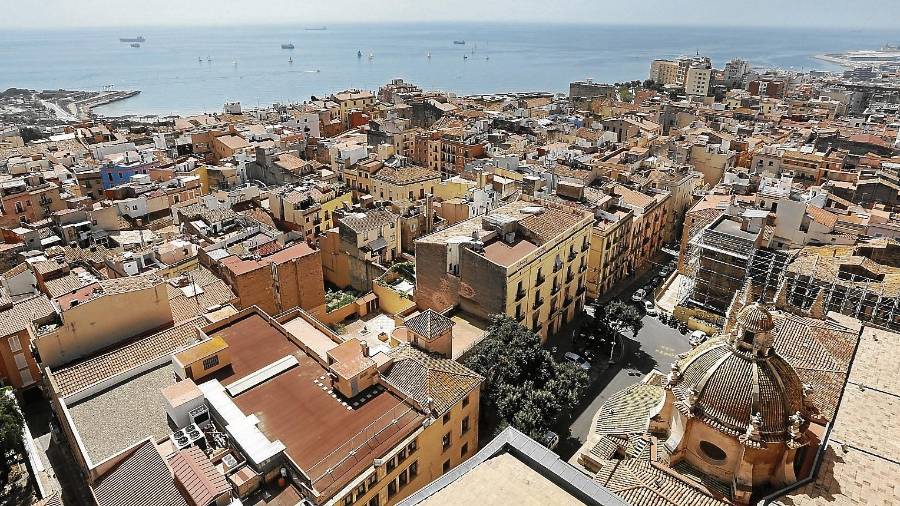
{"x": 318, "y": 23}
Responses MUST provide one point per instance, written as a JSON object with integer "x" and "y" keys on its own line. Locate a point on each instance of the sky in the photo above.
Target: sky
{"x": 775, "y": 13}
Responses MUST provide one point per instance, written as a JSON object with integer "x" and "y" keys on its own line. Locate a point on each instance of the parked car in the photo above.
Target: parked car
{"x": 649, "y": 308}
{"x": 577, "y": 360}
{"x": 551, "y": 440}
{"x": 698, "y": 337}
{"x": 638, "y": 295}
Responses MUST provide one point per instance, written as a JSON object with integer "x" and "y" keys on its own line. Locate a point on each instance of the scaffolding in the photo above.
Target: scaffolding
{"x": 716, "y": 266}
{"x": 860, "y": 296}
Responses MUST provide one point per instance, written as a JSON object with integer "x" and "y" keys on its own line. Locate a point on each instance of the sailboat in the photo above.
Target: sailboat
{"x": 291, "y": 59}
{"x": 359, "y": 54}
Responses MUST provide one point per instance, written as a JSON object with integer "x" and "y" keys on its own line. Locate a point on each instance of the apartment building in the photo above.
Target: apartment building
{"x": 403, "y": 183}
{"x": 697, "y": 80}
{"x": 664, "y": 72}
{"x": 526, "y": 259}
{"x": 277, "y": 280}
{"x": 650, "y": 212}
{"x": 339, "y": 422}
{"x": 309, "y": 209}
{"x": 352, "y": 100}
{"x": 101, "y": 314}
{"x": 364, "y": 243}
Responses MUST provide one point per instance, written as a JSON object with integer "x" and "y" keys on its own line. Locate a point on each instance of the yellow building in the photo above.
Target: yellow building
{"x": 308, "y": 211}
{"x": 526, "y": 259}
{"x": 351, "y": 100}
{"x": 102, "y": 314}
{"x": 404, "y": 183}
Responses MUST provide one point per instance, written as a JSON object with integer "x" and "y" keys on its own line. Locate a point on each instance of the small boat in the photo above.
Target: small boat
{"x": 208, "y": 59}
{"x": 465, "y": 57}
{"x": 234, "y": 62}
{"x": 359, "y": 54}
{"x": 291, "y": 59}
{"x": 199, "y": 59}
{"x": 487, "y": 58}
{"x": 428, "y": 55}
{"x": 371, "y": 56}
{"x": 139, "y": 38}
{"x": 459, "y": 42}
{"x": 135, "y": 44}
{"x": 289, "y": 45}
{"x": 315, "y": 28}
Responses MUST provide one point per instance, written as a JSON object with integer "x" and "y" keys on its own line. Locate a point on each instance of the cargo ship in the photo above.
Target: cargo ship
{"x": 133, "y": 39}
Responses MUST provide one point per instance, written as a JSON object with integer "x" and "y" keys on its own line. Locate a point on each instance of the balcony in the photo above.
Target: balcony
{"x": 537, "y": 303}
{"x": 555, "y": 289}
{"x": 580, "y": 290}
{"x": 569, "y": 277}
{"x": 540, "y": 280}
{"x": 557, "y": 266}
{"x": 568, "y": 301}
{"x": 520, "y": 317}
{"x": 572, "y": 255}
{"x": 520, "y": 294}
{"x": 585, "y": 247}
{"x": 582, "y": 268}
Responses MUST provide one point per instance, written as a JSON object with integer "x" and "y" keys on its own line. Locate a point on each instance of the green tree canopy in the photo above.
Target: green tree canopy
{"x": 11, "y": 423}
{"x": 524, "y": 385}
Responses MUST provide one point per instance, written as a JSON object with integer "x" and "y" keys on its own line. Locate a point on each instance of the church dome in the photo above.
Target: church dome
{"x": 733, "y": 388}
{"x": 755, "y": 318}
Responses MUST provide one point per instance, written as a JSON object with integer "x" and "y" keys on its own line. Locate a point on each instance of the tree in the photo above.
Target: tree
{"x": 610, "y": 319}
{"x": 11, "y": 425}
{"x": 524, "y": 385}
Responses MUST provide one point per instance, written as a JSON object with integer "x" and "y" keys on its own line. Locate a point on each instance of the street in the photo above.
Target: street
{"x": 655, "y": 347}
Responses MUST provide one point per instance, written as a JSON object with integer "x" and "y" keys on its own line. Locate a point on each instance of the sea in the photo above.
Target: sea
{"x": 190, "y": 70}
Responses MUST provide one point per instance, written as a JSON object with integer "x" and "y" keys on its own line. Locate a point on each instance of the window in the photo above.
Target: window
{"x": 19, "y": 207}
{"x": 392, "y": 489}
{"x": 210, "y": 362}
{"x": 411, "y": 447}
{"x": 445, "y": 442}
{"x": 361, "y": 489}
{"x": 465, "y": 425}
{"x": 401, "y": 455}
{"x": 14, "y": 344}
{"x": 392, "y": 464}
{"x": 402, "y": 478}
{"x": 464, "y": 450}
{"x": 373, "y": 501}
{"x": 447, "y": 465}
{"x": 446, "y": 418}
{"x": 348, "y": 500}
{"x": 465, "y": 401}
{"x": 413, "y": 470}
{"x": 712, "y": 452}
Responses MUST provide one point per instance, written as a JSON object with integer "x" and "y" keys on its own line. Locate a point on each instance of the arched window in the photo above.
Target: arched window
{"x": 712, "y": 452}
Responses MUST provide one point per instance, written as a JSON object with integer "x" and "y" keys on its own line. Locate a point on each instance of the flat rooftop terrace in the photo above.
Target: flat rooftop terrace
{"x": 319, "y": 428}
{"x": 123, "y": 414}
{"x": 253, "y": 343}
{"x": 505, "y": 254}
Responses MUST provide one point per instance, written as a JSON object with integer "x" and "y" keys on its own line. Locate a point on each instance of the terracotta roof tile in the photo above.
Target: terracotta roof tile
{"x": 421, "y": 377}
